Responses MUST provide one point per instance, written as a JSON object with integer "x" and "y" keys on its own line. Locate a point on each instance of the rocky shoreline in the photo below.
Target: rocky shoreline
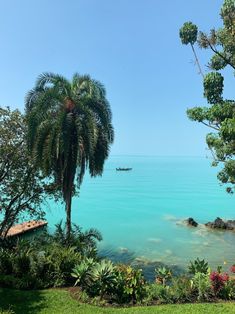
{"x": 218, "y": 223}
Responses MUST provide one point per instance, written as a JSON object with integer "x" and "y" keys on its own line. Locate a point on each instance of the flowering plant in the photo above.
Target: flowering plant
{"x": 218, "y": 281}
{"x": 232, "y": 268}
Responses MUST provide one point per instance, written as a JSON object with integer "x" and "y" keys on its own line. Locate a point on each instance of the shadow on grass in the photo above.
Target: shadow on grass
{"x": 21, "y": 302}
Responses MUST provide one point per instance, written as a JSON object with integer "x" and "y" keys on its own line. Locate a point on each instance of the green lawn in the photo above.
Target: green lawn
{"x": 59, "y": 301}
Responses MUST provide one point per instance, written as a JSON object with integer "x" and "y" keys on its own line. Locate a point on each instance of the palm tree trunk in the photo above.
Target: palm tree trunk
{"x": 68, "y": 215}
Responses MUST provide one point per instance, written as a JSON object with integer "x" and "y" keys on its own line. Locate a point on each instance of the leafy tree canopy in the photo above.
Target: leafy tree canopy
{"x": 69, "y": 129}
{"x": 220, "y": 115}
{"x": 21, "y": 188}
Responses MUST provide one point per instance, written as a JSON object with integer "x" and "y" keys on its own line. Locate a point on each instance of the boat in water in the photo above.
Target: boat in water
{"x": 123, "y": 169}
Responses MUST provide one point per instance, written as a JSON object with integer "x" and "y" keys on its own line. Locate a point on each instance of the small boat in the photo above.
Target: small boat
{"x": 123, "y": 169}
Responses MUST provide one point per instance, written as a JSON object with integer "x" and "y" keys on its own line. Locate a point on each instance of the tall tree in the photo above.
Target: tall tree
{"x": 220, "y": 115}
{"x": 21, "y": 187}
{"x": 69, "y": 129}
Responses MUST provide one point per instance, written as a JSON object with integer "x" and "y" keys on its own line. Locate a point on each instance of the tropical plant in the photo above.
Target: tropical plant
{"x": 158, "y": 293}
{"x": 69, "y": 129}
{"x": 26, "y": 266}
{"x": 82, "y": 272}
{"x": 130, "y": 286}
{"x": 228, "y": 290}
{"x": 182, "y": 290}
{"x": 201, "y": 283}
{"x": 163, "y": 274}
{"x": 84, "y": 241}
{"x": 103, "y": 277}
{"x": 218, "y": 281}
{"x": 198, "y": 266}
{"x": 220, "y": 115}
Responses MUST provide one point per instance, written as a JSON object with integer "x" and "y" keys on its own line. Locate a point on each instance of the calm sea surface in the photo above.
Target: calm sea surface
{"x": 140, "y": 212}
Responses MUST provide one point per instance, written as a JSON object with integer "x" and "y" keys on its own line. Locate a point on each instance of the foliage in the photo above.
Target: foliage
{"x": 182, "y": 290}
{"x": 163, "y": 274}
{"x": 188, "y": 33}
{"x": 218, "y": 281}
{"x": 39, "y": 263}
{"x": 103, "y": 277}
{"x": 82, "y": 272}
{"x": 213, "y": 87}
{"x": 84, "y": 241}
{"x": 130, "y": 286}
{"x": 32, "y": 269}
{"x": 69, "y": 129}
{"x": 201, "y": 283}
{"x": 220, "y": 115}
{"x": 21, "y": 187}
{"x": 158, "y": 293}
{"x": 198, "y": 266}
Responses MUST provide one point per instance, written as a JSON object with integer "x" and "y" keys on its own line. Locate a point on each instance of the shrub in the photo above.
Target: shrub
{"x": 21, "y": 263}
{"x": 103, "y": 278}
{"x": 198, "y": 266}
{"x": 228, "y": 290}
{"x": 163, "y": 274}
{"x": 30, "y": 269}
{"x": 158, "y": 293}
{"x": 82, "y": 272}
{"x": 130, "y": 286}
{"x": 182, "y": 290}
{"x": 201, "y": 283}
{"x": 5, "y": 262}
{"x": 218, "y": 281}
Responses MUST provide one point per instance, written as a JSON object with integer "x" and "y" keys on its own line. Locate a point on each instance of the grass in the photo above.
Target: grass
{"x": 58, "y": 301}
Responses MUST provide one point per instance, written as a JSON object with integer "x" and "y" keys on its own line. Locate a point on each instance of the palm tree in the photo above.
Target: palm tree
{"x": 69, "y": 130}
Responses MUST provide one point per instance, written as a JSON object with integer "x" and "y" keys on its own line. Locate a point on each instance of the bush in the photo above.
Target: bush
{"x": 30, "y": 269}
{"x": 198, "y": 266}
{"x": 163, "y": 275}
{"x": 103, "y": 278}
{"x": 158, "y": 293}
{"x": 202, "y": 286}
{"x": 130, "y": 286}
{"x": 182, "y": 290}
{"x": 82, "y": 272}
{"x": 218, "y": 281}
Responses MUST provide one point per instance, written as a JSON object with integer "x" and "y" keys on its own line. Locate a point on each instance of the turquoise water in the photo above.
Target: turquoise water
{"x": 140, "y": 212}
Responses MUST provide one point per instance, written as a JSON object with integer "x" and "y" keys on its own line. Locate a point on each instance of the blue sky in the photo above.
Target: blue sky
{"x": 131, "y": 46}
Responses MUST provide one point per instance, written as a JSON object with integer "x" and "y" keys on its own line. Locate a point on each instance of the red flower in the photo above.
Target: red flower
{"x": 218, "y": 281}
{"x": 225, "y": 277}
{"x": 232, "y": 268}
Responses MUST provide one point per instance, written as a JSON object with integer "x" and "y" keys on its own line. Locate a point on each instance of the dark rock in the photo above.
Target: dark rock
{"x": 191, "y": 222}
{"x": 219, "y": 223}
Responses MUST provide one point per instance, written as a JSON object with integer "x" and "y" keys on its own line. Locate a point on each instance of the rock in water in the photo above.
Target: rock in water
{"x": 219, "y": 223}
{"x": 191, "y": 222}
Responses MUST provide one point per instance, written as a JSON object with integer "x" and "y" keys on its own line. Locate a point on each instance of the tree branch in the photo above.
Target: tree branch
{"x": 210, "y": 126}
{"x": 219, "y": 54}
{"x": 197, "y": 61}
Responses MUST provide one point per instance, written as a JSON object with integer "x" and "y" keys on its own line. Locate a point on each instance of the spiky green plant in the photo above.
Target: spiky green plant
{"x": 198, "y": 266}
{"x": 163, "y": 274}
{"x": 69, "y": 129}
{"x": 103, "y": 276}
{"x": 82, "y": 272}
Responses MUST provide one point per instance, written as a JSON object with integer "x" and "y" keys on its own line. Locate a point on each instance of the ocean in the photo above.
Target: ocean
{"x": 140, "y": 213}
